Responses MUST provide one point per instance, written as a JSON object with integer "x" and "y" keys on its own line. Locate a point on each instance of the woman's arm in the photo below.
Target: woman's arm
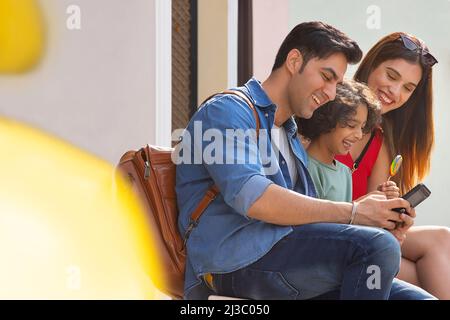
{"x": 380, "y": 170}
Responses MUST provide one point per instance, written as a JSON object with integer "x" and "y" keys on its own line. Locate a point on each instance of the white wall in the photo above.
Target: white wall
{"x": 270, "y": 26}
{"x": 95, "y": 87}
{"x": 425, "y": 19}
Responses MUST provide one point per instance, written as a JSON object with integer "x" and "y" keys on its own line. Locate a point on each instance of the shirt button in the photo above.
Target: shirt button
{"x": 267, "y": 115}
{"x": 283, "y": 162}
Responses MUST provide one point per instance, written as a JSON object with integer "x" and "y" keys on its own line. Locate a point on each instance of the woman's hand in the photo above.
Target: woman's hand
{"x": 390, "y": 189}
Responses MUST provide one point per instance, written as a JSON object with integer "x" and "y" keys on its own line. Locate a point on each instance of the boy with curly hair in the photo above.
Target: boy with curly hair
{"x": 333, "y": 129}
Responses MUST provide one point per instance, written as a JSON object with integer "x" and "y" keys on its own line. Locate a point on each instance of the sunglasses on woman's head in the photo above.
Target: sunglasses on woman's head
{"x": 411, "y": 45}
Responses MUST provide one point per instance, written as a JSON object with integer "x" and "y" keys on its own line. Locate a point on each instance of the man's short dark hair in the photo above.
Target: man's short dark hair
{"x": 317, "y": 40}
{"x": 349, "y": 96}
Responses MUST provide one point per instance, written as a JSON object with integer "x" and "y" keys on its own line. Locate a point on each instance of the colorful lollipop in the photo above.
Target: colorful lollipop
{"x": 395, "y": 166}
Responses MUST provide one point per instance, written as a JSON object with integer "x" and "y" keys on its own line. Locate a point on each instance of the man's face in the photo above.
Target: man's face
{"x": 316, "y": 84}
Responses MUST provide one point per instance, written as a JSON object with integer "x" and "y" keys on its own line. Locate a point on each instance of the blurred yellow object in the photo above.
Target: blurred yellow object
{"x": 21, "y": 35}
{"x": 67, "y": 230}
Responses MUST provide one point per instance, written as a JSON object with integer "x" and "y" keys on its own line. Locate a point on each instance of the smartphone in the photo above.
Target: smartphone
{"x": 415, "y": 196}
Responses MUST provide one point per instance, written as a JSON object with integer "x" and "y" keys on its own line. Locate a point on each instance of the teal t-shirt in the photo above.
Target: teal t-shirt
{"x": 332, "y": 182}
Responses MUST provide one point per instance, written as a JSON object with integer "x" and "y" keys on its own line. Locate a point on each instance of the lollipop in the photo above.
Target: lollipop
{"x": 395, "y": 166}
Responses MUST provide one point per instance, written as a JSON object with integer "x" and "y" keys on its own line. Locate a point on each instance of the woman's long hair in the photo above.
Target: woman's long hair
{"x": 409, "y": 129}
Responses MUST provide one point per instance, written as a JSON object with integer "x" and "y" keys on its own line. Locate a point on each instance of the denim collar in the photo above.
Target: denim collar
{"x": 291, "y": 127}
{"x": 261, "y": 100}
{"x": 258, "y": 95}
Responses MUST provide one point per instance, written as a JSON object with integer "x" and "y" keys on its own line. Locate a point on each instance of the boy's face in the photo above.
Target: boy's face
{"x": 316, "y": 84}
{"x": 341, "y": 139}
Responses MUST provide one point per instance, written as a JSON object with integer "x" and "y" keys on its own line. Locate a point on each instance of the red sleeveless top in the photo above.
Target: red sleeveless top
{"x": 362, "y": 174}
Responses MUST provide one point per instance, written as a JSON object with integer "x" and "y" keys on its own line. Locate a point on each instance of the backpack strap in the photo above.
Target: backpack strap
{"x": 244, "y": 97}
{"x": 250, "y": 104}
{"x": 212, "y": 192}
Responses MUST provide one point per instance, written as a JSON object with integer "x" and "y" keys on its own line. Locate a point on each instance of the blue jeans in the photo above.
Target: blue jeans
{"x": 324, "y": 261}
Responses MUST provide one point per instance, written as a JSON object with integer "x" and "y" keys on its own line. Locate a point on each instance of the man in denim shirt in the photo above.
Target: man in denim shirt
{"x": 266, "y": 236}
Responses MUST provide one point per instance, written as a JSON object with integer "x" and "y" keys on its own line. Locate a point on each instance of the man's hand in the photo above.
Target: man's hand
{"x": 401, "y": 228}
{"x": 376, "y": 211}
{"x": 390, "y": 189}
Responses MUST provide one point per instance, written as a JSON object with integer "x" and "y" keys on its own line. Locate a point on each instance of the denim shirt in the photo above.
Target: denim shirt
{"x": 226, "y": 239}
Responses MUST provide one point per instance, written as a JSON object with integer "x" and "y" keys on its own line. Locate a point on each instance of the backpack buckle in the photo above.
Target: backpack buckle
{"x": 191, "y": 226}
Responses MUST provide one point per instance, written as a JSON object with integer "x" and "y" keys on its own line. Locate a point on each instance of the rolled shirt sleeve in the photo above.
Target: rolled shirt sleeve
{"x": 251, "y": 191}
{"x": 233, "y": 162}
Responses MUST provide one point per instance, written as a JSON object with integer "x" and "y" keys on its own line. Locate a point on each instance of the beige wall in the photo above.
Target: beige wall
{"x": 212, "y": 47}
{"x": 95, "y": 86}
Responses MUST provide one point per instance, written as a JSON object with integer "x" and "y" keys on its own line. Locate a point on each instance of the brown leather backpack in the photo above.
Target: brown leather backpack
{"x": 152, "y": 175}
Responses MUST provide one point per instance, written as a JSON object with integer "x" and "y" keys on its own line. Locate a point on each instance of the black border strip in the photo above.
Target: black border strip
{"x": 245, "y": 41}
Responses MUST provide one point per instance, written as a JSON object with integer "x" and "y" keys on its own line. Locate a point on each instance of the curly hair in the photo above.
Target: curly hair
{"x": 349, "y": 95}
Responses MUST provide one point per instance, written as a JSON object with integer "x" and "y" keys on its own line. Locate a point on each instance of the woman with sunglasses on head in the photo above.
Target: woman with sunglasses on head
{"x": 399, "y": 70}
